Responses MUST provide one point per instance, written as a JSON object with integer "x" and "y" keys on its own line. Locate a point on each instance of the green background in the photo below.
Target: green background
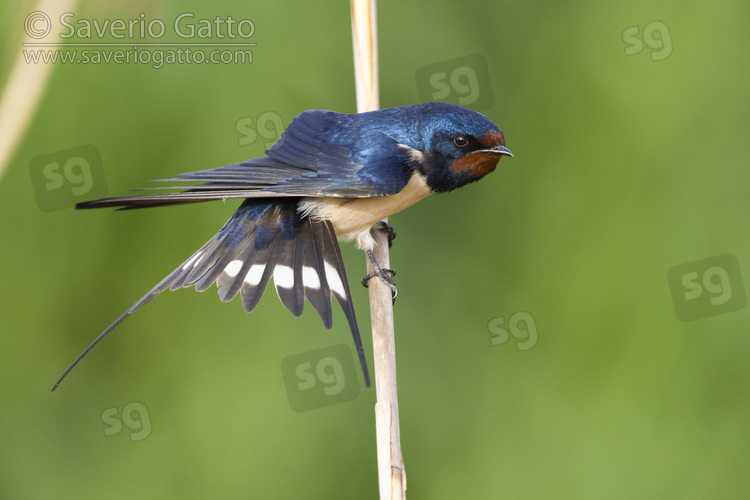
{"x": 624, "y": 167}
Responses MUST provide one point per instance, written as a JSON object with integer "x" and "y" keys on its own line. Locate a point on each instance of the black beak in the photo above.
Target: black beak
{"x": 498, "y": 150}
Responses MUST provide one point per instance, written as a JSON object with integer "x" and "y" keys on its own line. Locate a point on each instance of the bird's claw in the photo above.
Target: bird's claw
{"x": 383, "y": 273}
{"x": 388, "y": 230}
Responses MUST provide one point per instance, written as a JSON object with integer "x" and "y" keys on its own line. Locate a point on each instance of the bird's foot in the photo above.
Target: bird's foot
{"x": 388, "y": 230}
{"x": 383, "y": 273}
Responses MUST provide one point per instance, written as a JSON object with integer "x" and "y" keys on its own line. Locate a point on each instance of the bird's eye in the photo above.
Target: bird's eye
{"x": 460, "y": 140}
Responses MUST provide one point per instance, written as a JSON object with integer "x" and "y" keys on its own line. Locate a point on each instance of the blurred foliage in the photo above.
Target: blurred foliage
{"x": 625, "y": 166}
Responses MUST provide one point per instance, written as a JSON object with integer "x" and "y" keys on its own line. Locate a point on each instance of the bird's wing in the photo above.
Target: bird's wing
{"x": 316, "y": 156}
{"x": 262, "y": 240}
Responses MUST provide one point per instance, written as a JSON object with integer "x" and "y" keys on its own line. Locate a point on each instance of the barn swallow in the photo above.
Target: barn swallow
{"x": 329, "y": 177}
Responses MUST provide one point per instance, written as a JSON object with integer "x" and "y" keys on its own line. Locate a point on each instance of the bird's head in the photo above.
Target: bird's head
{"x": 461, "y": 146}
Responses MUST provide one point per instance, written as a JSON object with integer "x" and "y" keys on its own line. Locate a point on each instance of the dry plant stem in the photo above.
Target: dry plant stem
{"x": 25, "y": 85}
{"x": 391, "y": 475}
{"x": 390, "y": 461}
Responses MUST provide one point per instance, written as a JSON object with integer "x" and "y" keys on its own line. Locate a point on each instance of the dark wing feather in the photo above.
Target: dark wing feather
{"x": 336, "y": 277}
{"x": 287, "y": 275}
{"x": 321, "y": 153}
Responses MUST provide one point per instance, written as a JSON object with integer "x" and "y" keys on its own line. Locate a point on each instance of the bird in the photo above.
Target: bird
{"x": 331, "y": 176}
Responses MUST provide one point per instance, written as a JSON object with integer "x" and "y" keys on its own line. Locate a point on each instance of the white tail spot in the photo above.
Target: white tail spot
{"x": 255, "y": 274}
{"x": 233, "y": 268}
{"x": 334, "y": 281}
{"x": 310, "y": 278}
{"x": 192, "y": 260}
{"x": 283, "y": 276}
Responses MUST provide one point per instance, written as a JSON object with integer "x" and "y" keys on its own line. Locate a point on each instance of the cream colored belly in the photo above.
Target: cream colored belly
{"x": 353, "y": 217}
